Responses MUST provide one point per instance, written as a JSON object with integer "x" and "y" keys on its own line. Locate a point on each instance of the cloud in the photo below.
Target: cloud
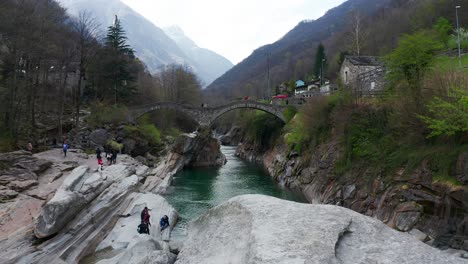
{"x": 232, "y": 28}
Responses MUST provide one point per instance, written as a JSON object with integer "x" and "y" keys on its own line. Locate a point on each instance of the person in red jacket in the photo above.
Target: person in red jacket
{"x": 145, "y": 218}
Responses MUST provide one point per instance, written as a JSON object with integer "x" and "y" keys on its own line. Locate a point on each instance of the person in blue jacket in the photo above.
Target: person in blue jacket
{"x": 164, "y": 222}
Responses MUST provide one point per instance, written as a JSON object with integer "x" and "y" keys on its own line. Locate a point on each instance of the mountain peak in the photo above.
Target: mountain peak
{"x": 174, "y": 29}
{"x": 154, "y": 46}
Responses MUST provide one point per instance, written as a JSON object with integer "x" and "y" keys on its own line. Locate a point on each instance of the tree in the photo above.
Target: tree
{"x": 443, "y": 29}
{"x": 117, "y": 40}
{"x": 86, "y": 28}
{"x": 358, "y": 33}
{"x": 320, "y": 61}
{"x": 411, "y": 60}
{"x": 118, "y": 66}
{"x": 448, "y": 116}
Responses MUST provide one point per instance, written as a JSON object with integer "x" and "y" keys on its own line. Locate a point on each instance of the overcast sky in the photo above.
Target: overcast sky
{"x": 233, "y": 28}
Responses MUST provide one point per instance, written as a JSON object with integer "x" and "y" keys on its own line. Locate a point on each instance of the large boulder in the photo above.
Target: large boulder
{"x": 262, "y": 229}
{"x": 232, "y": 138}
{"x": 19, "y": 172}
{"x": 78, "y": 189}
{"x": 99, "y": 137}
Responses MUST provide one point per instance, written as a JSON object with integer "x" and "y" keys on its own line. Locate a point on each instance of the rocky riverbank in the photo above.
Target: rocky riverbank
{"x": 189, "y": 150}
{"x": 415, "y": 204}
{"x": 61, "y": 209}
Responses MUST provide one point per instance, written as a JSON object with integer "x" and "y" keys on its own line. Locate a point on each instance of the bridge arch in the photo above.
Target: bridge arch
{"x": 205, "y": 116}
{"x": 273, "y": 110}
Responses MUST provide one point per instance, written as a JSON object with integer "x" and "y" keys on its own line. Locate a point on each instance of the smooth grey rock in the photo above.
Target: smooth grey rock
{"x": 7, "y": 194}
{"x": 349, "y": 191}
{"x": 125, "y": 232}
{"x": 262, "y": 229}
{"x": 145, "y": 251}
{"x": 418, "y": 234}
{"x": 99, "y": 137}
{"x": 406, "y": 220}
{"x": 77, "y": 190}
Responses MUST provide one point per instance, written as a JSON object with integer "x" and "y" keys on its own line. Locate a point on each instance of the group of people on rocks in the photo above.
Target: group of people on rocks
{"x": 110, "y": 154}
{"x": 143, "y": 228}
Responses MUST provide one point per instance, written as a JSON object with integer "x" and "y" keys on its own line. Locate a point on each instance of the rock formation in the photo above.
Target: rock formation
{"x": 232, "y": 138}
{"x": 79, "y": 213}
{"x": 189, "y": 150}
{"x": 262, "y": 229}
{"x": 404, "y": 202}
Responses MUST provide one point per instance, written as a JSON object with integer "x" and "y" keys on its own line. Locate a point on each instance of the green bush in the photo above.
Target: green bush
{"x": 102, "y": 114}
{"x": 289, "y": 113}
{"x": 115, "y": 145}
{"x": 262, "y": 128}
{"x": 297, "y": 136}
{"x": 448, "y": 116}
{"x": 150, "y": 132}
{"x": 173, "y": 132}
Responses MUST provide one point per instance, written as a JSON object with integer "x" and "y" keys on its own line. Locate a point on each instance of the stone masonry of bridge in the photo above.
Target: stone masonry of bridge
{"x": 205, "y": 116}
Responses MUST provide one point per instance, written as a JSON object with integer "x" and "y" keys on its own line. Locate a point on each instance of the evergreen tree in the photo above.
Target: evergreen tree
{"x": 119, "y": 63}
{"x": 320, "y": 60}
{"x": 117, "y": 40}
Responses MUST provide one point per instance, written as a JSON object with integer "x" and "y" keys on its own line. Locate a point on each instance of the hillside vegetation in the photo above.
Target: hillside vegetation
{"x": 293, "y": 56}
{"x": 420, "y": 120}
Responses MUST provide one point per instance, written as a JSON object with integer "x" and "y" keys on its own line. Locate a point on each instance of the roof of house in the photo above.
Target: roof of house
{"x": 365, "y": 60}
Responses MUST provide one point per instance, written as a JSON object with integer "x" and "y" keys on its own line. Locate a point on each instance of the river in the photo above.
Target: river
{"x": 194, "y": 191}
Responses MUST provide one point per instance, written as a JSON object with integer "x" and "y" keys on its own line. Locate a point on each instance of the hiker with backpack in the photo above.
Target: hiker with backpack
{"x": 143, "y": 228}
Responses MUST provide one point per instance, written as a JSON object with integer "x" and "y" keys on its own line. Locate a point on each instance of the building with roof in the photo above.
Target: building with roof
{"x": 363, "y": 74}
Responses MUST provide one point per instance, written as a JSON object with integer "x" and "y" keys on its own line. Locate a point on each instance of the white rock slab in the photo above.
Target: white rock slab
{"x": 125, "y": 232}
{"x": 263, "y": 229}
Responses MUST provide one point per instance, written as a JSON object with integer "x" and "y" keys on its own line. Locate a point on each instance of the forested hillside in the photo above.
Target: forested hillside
{"x": 52, "y": 67}
{"x": 380, "y": 24}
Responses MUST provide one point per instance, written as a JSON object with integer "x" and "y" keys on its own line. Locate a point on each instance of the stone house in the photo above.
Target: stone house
{"x": 365, "y": 75}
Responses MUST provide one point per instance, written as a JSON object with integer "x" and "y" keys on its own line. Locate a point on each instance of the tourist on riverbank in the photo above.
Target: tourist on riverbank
{"x": 109, "y": 158}
{"x": 30, "y": 147}
{"x": 164, "y": 223}
{"x": 65, "y": 149}
{"x": 114, "y": 157}
{"x": 145, "y": 220}
{"x": 98, "y": 153}
{"x": 99, "y": 161}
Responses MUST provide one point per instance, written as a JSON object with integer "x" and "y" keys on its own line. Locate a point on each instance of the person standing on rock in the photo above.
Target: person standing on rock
{"x": 145, "y": 219}
{"x": 99, "y": 161}
{"x": 98, "y": 153}
{"x": 30, "y": 147}
{"x": 114, "y": 156}
{"x": 65, "y": 149}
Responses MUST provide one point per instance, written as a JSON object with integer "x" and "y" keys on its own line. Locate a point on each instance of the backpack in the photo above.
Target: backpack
{"x": 142, "y": 228}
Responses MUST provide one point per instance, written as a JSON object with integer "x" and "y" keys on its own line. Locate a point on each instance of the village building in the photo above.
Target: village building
{"x": 365, "y": 75}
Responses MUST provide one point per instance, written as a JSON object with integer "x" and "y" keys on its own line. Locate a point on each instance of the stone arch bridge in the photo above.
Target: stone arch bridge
{"x": 205, "y": 116}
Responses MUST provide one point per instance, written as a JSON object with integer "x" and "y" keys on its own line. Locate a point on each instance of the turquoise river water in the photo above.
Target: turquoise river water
{"x": 194, "y": 191}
